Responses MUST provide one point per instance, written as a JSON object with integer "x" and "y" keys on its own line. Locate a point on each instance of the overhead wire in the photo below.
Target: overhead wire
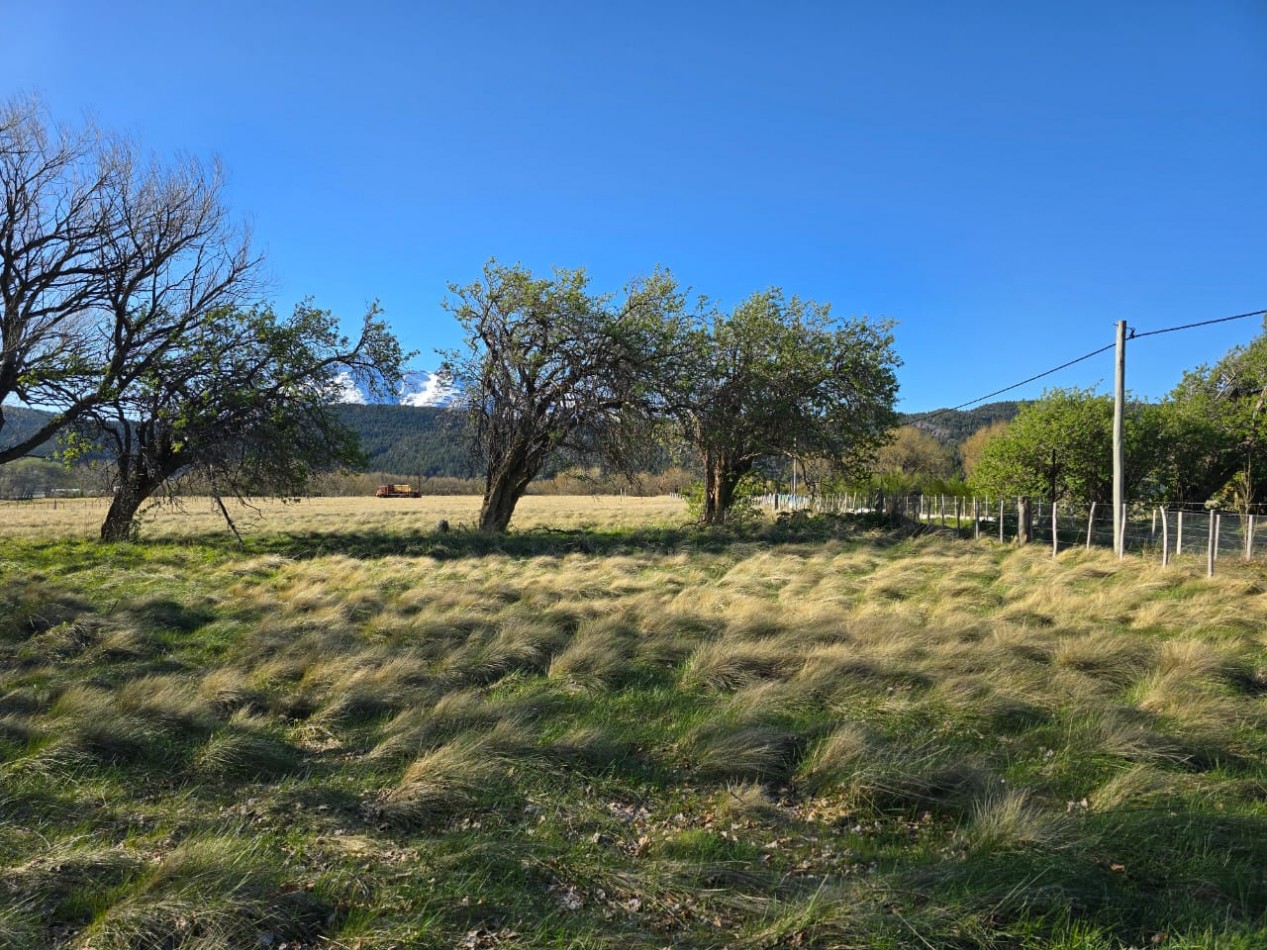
{"x": 1086, "y": 356}
{"x": 999, "y": 392}
{"x": 1203, "y": 323}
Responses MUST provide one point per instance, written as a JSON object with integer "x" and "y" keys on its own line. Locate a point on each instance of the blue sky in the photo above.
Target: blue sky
{"x": 1004, "y": 180}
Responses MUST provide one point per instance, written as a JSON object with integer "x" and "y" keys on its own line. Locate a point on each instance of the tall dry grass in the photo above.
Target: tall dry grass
{"x": 707, "y": 735}
{"x": 193, "y": 517}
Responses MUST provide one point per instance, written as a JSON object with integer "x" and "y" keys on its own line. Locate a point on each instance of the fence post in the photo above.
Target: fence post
{"x": 1249, "y": 538}
{"x": 1179, "y": 533}
{"x": 1210, "y": 544}
{"x": 976, "y": 519}
{"x": 1090, "y": 525}
{"x": 941, "y": 509}
{"x": 1152, "y": 533}
{"x": 1165, "y": 537}
{"x": 1246, "y": 520}
{"x": 1000, "y": 519}
{"x": 1055, "y": 531}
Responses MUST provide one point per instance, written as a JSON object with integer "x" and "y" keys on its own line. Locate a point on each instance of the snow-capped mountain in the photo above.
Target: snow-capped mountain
{"x": 417, "y": 388}
{"x": 424, "y": 388}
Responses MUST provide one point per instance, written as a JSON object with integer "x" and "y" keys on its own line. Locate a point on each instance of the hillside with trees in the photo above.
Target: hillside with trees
{"x": 21, "y": 425}
{"x": 411, "y": 440}
{"x": 953, "y": 426}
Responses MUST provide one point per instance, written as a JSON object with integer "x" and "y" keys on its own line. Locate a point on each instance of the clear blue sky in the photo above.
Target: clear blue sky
{"x": 1005, "y": 180}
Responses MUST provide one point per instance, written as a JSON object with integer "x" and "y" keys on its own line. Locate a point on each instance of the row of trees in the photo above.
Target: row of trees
{"x": 125, "y": 308}
{"x": 551, "y": 366}
{"x": 1206, "y": 442}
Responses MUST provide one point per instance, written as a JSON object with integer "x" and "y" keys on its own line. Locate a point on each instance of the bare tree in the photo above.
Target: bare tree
{"x": 106, "y": 259}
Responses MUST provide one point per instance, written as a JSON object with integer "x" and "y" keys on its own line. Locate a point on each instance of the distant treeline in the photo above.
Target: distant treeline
{"x": 432, "y": 444}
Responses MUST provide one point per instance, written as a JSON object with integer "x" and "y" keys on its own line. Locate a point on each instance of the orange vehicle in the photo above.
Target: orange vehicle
{"x": 397, "y": 491}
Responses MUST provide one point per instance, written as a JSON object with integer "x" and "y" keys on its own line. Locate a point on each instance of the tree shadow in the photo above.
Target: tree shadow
{"x": 377, "y": 543}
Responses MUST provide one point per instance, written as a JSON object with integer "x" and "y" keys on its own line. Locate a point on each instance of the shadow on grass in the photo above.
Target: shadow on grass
{"x": 558, "y": 542}
{"x": 1141, "y": 873}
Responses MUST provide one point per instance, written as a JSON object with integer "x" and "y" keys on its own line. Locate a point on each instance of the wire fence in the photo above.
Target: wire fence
{"x": 1163, "y": 532}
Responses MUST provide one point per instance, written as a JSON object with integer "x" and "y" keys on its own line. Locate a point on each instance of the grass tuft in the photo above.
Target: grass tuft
{"x": 454, "y": 777}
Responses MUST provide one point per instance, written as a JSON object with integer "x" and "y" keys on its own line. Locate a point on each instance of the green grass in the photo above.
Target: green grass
{"x": 818, "y": 734}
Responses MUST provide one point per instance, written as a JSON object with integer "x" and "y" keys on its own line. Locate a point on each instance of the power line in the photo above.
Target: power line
{"x": 1203, "y": 323}
{"x": 999, "y": 392}
{"x": 1055, "y": 369}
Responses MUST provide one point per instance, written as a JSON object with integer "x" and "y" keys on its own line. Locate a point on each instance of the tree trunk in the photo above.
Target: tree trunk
{"x": 136, "y": 483}
{"x": 121, "y": 517}
{"x": 506, "y": 485}
{"x": 721, "y": 477}
{"x": 500, "y": 498}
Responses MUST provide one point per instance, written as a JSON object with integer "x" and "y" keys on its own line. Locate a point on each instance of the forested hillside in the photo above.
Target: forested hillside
{"x": 20, "y": 424}
{"x": 411, "y": 440}
{"x": 950, "y": 427}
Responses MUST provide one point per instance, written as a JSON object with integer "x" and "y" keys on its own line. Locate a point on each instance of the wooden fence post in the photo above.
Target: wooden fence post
{"x": 1055, "y": 530}
{"x": 1179, "y": 533}
{"x": 1165, "y": 537}
{"x": 1090, "y": 525}
{"x": 1000, "y": 519}
{"x": 976, "y": 519}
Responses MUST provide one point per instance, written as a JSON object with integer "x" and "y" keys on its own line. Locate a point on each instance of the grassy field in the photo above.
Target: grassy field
{"x": 608, "y": 730}
{"x": 198, "y": 517}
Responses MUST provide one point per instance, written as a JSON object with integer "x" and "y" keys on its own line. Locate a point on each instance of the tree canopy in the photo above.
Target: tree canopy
{"x": 778, "y": 376}
{"x": 550, "y": 365}
{"x": 243, "y": 404}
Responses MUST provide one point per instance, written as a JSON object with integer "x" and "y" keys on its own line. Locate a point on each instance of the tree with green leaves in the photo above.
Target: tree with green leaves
{"x": 779, "y": 376}
{"x": 1065, "y": 439}
{"x": 550, "y": 366}
{"x": 1214, "y": 441}
{"x": 970, "y": 448}
{"x": 916, "y": 454}
{"x": 242, "y": 405}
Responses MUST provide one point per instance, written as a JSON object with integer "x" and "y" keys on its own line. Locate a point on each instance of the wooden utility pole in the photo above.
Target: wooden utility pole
{"x": 1119, "y": 412}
